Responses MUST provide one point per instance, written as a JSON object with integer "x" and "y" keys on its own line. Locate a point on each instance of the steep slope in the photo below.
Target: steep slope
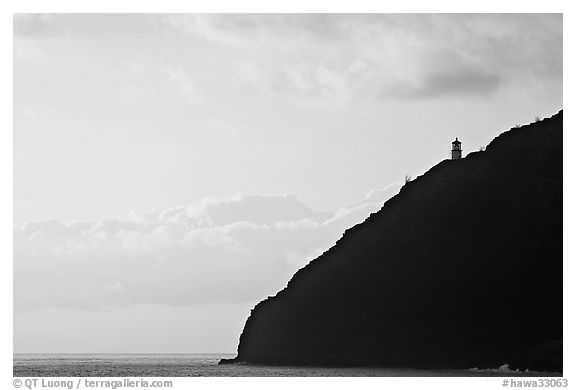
{"x": 463, "y": 268}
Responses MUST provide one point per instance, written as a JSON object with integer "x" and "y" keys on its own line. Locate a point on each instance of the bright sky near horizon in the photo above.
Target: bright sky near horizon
{"x": 172, "y": 170}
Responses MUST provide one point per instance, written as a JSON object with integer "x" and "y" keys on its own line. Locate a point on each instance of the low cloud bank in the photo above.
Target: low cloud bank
{"x": 215, "y": 250}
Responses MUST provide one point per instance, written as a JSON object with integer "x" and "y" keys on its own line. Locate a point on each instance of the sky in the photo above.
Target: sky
{"x": 170, "y": 171}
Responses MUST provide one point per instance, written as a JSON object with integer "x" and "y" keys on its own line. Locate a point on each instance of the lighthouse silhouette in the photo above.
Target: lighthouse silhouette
{"x": 456, "y": 149}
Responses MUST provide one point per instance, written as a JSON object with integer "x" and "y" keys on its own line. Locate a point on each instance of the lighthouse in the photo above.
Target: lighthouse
{"x": 456, "y": 149}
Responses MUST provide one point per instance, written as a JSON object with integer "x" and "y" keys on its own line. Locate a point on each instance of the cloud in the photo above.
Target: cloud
{"x": 465, "y": 81}
{"x": 460, "y": 82}
{"x": 33, "y": 25}
{"x": 37, "y": 111}
{"x": 256, "y": 30}
{"x": 384, "y": 56}
{"x": 146, "y": 76}
{"x": 29, "y": 30}
{"x": 381, "y": 195}
{"x": 184, "y": 82}
{"x": 216, "y": 250}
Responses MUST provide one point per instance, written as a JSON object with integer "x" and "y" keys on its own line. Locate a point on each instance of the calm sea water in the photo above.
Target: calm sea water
{"x": 191, "y": 365}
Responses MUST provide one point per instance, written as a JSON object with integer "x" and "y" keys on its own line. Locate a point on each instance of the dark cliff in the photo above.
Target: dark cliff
{"x": 461, "y": 269}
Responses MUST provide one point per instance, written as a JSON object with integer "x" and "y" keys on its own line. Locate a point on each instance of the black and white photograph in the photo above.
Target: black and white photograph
{"x": 287, "y": 195}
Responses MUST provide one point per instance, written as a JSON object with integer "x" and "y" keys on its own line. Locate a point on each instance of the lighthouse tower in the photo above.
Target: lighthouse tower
{"x": 456, "y": 150}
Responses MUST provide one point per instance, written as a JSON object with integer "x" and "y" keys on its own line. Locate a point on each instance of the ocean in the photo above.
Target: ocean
{"x": 202, "y": 365}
